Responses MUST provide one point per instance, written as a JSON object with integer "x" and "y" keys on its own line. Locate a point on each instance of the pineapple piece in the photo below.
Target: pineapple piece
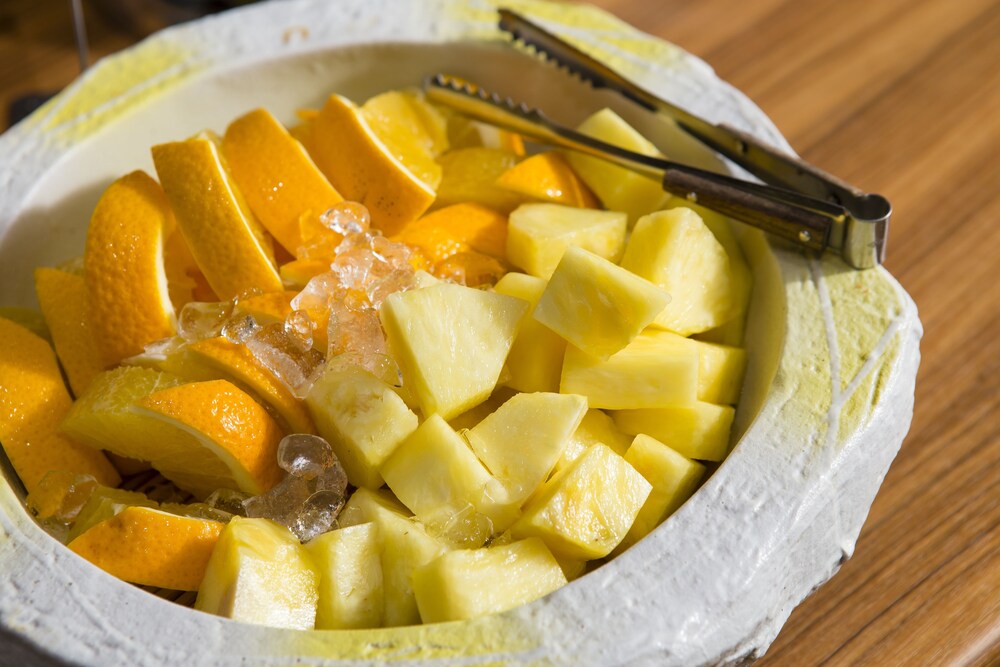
{"x": 404, "y": 545}
{"x": 362, "y": 418}
{"x": 720, "y": 368}
{"x": 596, "y": 305}
{"x": 538, "y": 235}
{"x": 583, "y": 512}
{"x": 572, "y": 569}
{"x": 521, "y": 442}
{"x": 595, "y": 428}
{"x": 655, "y": 370}
{"x": 673, "y": 478}
{"x": 260, "y": 573}
{"x": 619, "y": 189}
{"x": 435, "y": 474}
{"x": 350, "y": 571}
{"x": 470, "y": 418}
{"x": 696, "y": 430}
{"x": 469, "y": 583}
{"x": 450, "y": 343}
{"x": 675, "y": 250}
{"x": 535, "y": 359}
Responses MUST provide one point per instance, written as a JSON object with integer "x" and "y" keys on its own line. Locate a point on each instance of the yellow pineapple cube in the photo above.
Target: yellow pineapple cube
{"x": 362, "y": 418}
{"x": 720, "y": 372}
{"x": 696, "y": 430}
{"x": 584, "y": 511}
{"x": 676, "y": 251}
{"x": 521, "y": 442}
{"x": 673, "y": 478}
{"x": 596, "y": 428}
{"x": 732, "y": 331}
{"x": 469, "y": 583}
{"x": 260, "y": 573}
{"x": 596, "y": 305}
{"x": 350, "y": 584}
{"x": 655, "y": 370}
{"x": 538, "y": 235}
{"x": 437, "y": 476}
{"x": 450, "y": 343}
{"x": 404, "y": 545}
{"x": 535, "y": 359}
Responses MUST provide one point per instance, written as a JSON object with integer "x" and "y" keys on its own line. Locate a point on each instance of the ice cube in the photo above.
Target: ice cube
{"x": 317, "y": 292}
{"x": 305, "y": 455}
{"x": 398, "y": 280}
{"x": 395, "y": 254}
{"x": 60, "y": 495}
{"x": 347, "y": 217}
{"x": 296, "y": 367}
{"x": 228, "y": 500}
{"x": 354, "y": 267}
{"x": 318, "y": 515}
{"x": 333, "y": 478}
{"x": 299, "y": 328}
{"x": 283, "y": 502}
{"x": 240, "y": 328}
{"x": 199, "y": 320}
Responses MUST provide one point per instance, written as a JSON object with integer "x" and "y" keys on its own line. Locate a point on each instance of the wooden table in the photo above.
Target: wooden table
{"x": 901, "y": 97}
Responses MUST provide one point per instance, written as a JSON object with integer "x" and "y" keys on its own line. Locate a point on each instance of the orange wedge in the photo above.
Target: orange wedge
{"x": 363, "y": 169}
{"x": 548, "y": 177}
{"x": 185, "y": 280}
{"x": 413, "y": 131}
{"x": 29, "y": 318}
{"x": 276, "y": 175}
{"x": 470, "y": 174}
{"x": 209, "y": 435}
{"x": 473, "y": 225}
{"x": 65, "y": 304}
{"x": 126, "y": 279}
{"x": 150, "y": 547}
{"x": 33, "y": 400}
{"x": 466, "y": 133}
{"x": 227, "y": 241}
{"x": 227, "y": 360}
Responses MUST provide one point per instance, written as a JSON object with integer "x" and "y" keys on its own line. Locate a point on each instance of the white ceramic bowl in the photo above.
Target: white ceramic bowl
{"x": 828, "y": 399}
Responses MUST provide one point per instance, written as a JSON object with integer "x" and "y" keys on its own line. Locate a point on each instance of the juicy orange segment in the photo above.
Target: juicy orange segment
{"x": 457, "y": 228}
{"x": 227, "y": 241}
{"x": 548, "y": 177}
{"x": 185, "y": 280}
{"x": 236, "y": 361}
{"x": 280, "y": 181}
{"x": 65, "y": 304}
{"x": 126, "y": 279}
{"x": 211, "y": 435}
{"x": 150, "y": 547}
{"x": 33, "y": 400}
{"x": 363, "y": 169}
{"x": 413, "y": 131}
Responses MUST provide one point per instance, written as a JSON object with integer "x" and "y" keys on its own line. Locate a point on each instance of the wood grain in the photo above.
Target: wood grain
{"x": 901, "y": 97}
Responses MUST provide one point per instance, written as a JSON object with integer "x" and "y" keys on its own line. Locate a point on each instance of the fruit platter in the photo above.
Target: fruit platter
{"x": 301, "y": 366}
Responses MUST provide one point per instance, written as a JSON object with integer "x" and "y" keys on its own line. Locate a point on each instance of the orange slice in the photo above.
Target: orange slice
{"x": 457, "y": 228}
{"x": 413, "y": 131}
{"x": 29, "y": 318}
{"x": 33, "y": 400}
{"x": 470, "y": 174}
{"x": 185, "y": 280}
{"x": 548, "y": 177}
{"x": 150, "y": 547}
{"x": 126, "y": 279}
{"x": 276, "y": 175}
{"x": 209, "y": 435}
{"x": 227, "y": 241}
{"x": 65, "y": 304}
{"x": 363, "y": 169}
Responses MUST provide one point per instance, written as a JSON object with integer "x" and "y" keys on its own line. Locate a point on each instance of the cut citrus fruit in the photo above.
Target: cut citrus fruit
{"x": 457, "y": 228}
{"x": 470, "y": 174}
{"x": 149, "y": 547}
{"x": 129, "y": 299}
{"x": 548, "y": 177}
{"x": 276, "y": 175}
{"x": 209, "y": 435}
{"x": 65, "y": 304}
{"x": 33, "y": 400}
{"x": 29, "y": 318}
{"x": 227, "y": 241}
{"x": 463, "y": 132}
{"x": 406, "y": 122}
{"x": 185, "y": 280}
{"x": 364, "y": 169}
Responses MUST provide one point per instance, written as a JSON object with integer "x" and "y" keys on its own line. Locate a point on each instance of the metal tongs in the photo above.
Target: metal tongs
{"x": 801, "y": 203}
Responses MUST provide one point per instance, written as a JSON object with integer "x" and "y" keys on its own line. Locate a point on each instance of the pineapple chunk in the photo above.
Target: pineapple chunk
{"x": 675, "y": 250}
{"x": 260, "y": 573}
{"x": 619, "y": 189}
{"x": 521, "y": 442}
{"x": 362, "y": 418}
{"x": 655, "y": 370}
{"x": 469, "y": 583}
{"x": 450, "y": 343}
{"x": 471, "y": 417}
{"x": 535, "y": 359}
{"x": 720, "y": 369}
{"x": 597, "y": 306}
{"x": 404, "y": 545}
{"x": 350, "y": 585}
{"x": 435, "y": 474}
{"x": 538, "y": 235}
{"x": 595, "y": 428}
{"x": 696, "y": 430}
{"x": 673, "y": 478}
{"x": 583, "y": 512}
